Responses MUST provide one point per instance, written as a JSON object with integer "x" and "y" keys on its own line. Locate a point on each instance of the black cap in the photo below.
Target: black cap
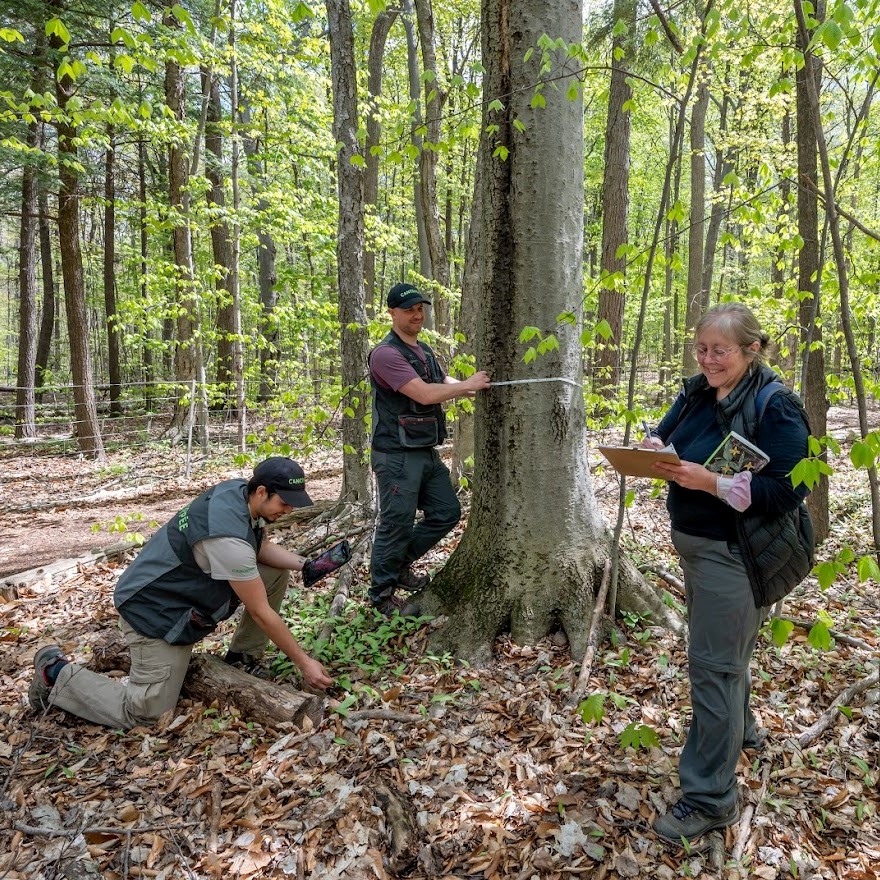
{"x": 405, "y": 296}
{"x": 286, "y": 477}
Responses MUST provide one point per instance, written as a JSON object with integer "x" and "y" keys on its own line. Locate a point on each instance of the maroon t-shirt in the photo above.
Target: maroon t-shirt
{"x": 391, "y": 369}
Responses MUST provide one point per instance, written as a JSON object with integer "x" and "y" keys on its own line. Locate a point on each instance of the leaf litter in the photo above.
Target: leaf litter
{"x": 497, "y": 777}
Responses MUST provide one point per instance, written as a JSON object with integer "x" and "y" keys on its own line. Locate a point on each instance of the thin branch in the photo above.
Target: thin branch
{"x": 667, "y": 29}
{"x": 592, "y": 639}
{"x": 826, "y": 719}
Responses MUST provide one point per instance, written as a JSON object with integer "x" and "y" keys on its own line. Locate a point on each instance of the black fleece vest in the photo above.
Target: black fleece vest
{"x": 164, "y": 594}
{"x": 400, "y": 424}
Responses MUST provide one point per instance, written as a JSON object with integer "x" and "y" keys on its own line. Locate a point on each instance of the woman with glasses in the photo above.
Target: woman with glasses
{"x": 744, "y": 542}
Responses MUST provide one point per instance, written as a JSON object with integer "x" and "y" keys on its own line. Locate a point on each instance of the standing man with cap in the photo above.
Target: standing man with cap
{"x": 191, "y": 575}
{"x": 409, "y": 387}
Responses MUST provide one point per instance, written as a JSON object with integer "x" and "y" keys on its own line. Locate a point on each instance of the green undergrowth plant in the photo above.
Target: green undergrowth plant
{"x": 121, "y": 525}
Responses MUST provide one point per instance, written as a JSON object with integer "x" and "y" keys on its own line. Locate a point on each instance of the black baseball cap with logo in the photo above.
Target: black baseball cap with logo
{"x": 285, "y": 477}
{"x": 405, "y": 296}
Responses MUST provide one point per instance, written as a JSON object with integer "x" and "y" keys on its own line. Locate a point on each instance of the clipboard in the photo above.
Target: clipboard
{"x": 637, "y": 461}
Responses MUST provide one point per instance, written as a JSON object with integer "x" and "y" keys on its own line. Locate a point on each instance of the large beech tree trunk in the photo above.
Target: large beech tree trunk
{"x": 536, "y": 544}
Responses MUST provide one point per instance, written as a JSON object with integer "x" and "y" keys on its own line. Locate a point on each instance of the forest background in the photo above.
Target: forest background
{"x": 203, "y": 205}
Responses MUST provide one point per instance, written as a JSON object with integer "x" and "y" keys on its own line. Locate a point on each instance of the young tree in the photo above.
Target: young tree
{"x": 350, "y": 252}
{"x": 536, "y": 542}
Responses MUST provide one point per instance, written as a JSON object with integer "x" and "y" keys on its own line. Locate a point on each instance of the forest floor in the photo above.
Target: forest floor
{"x": 502, "y": 778}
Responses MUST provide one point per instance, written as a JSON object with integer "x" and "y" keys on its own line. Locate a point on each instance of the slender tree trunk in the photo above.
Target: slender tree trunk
{"x": 221, "y": 244}
{"x": 813, "y": 388}
{"x": 188, "y": 361}
{"x": 350, "y": 254}
{"x": 85, "y": 409}
{"x": 25, "y": 396}
{"x": 49, "y": 303}
{"x": 615, "y": 200}
{"x": 696, "y": 301}
{"x": 267, "y": 276}
{"x": 114, "y": 359}
{"x": 148, "y": 371}
{"x": 378, "y": 37}
{"x": 434, "y": 101}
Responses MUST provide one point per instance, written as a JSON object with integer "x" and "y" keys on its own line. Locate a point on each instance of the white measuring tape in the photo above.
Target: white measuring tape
{"x": 533, "y": 381}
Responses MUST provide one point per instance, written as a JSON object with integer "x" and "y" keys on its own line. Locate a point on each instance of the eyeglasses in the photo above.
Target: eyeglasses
{"x": 701, "y": 353}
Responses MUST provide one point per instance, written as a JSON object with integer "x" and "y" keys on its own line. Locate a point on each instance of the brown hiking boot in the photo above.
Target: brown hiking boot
{"x": 391, "y": 605}
{"x": 411, "y": 581}
{"x": 38, "y": 692}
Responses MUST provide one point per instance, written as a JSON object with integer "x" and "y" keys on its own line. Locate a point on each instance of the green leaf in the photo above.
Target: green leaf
{"x": 825, "y": 573}
{"x": 819, "y": 637}
{"x": 301, "y": 12}
{"x": 140, "y": 12}
{"x": 345, "y": 705}
{"x": 639, "y": 736}
{"x": 529, "y": 333}
{"x": 869, "y": 570}
{"x": 496, "y": 105}
{"x": 573, "y": 90}
{"x": 592, "y": 709}
{"x": 538, "y": 100}
{"x": 55, "y": 27}
{"x": 518, "y": 125}
{"x": 501, "y": 152}
{"x": 862, "y": 454}
{"x": 10, "y": 35}
{"x": 781, "y": 630}
{"x": 603, "y": 329}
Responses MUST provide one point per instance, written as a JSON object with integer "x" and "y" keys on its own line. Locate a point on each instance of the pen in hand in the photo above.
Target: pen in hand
{"x": 648, "y": 434}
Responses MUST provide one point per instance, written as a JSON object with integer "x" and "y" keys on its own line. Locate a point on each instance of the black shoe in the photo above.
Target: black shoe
{"x": 685, "y": 821}
{"x": 249, "y": 663}
{"x": 756, "y": 740}
{"x": 411, "y": 581}
{"x": 391, "y": 605}
{"x": 38, "y": 692}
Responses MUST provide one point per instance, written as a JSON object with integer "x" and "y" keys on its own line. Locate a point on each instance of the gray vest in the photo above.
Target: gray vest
{"x": 164, "y": 594}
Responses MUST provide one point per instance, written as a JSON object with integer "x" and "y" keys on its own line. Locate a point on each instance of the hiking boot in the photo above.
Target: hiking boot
{"x": 756, "y": 740}
{"x": 685, "y": 821}
{"x": 390, "y": 605}
{"x": 249, "y": 663}
{"x": 411, "y": 581}
{"x": 40, "y": 687}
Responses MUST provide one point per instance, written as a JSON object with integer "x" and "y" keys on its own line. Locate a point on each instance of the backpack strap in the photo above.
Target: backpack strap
{"x": 762, "y": 398}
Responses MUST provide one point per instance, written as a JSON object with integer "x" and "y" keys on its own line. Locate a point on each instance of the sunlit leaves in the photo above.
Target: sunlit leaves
{"x": 780, "y": 630}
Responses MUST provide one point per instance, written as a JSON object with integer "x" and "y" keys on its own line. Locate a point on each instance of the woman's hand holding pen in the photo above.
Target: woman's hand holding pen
{"x": 688, "y": 475}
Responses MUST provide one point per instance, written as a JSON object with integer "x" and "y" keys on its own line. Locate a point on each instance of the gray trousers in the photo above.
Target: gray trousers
{"x": 407, "y": 482}
{"x": 723, "y": 625}
{"x": 157, "y": 671}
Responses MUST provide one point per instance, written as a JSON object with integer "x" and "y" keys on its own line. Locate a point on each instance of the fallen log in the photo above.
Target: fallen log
{"x": 210, "y": 680}
{"x": 400, "y": 826}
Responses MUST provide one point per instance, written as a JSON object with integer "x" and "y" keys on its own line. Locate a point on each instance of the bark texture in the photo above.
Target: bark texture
{"x": 350, "y": 253}
{"x": 535, "y": 546}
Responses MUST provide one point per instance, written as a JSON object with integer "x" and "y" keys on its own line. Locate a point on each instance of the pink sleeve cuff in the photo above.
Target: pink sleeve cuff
{"x": 736, "y": 490}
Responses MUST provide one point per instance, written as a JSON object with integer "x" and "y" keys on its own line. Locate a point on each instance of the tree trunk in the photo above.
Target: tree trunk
{"x": 148, "y": 371}
{"x": 813, "y": 388}
{"x": 188, "y": 361}
{"x": 50, "y": 303}
{"x": 535, "y": 546}
{"x": 350, "y": 254}
{"x": 434, "y": 101}
{"x": 221, "y": 244}
{"x": 114, "y": 360}
{"x": 267, "y": 275}
{"x": 85, "y": 410}
{"x": 25, "y": 396}
{"x": 615, "y": 200}
{"x": 696, "y": 301}
{"x": 378, "y": 37}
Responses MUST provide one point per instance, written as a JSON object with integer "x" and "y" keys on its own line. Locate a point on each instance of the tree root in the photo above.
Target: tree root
{"x": 592, "y": 639}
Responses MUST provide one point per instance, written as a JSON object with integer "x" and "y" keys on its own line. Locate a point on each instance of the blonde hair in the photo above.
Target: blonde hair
{"x": 738, "y": 323}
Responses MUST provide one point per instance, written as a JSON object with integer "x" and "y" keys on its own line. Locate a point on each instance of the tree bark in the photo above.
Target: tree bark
{"x": 25, "y": 392}
{"x": 696, "y": 299}
{"x": 114, "y": 360}
{"x": 535, "y": 546}
{"x": 210, "y": 680}
{"x": 221, "y": 245}
{"x": 378, "y": 37}
{"x": 188, "y": 360}
{"x": 350, "y": 254}
{"x": 85, "y": 410}
{"x": 434, "y": 101}
{"x": 50, "y": 302}
{"x": 813, "y": 389}
{"x": 615, "y": 200}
